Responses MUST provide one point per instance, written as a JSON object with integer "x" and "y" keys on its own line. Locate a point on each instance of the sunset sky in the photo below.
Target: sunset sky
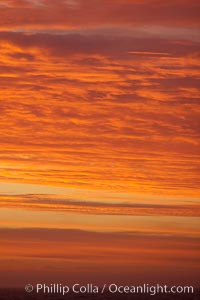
{"x": 99, "y": 141}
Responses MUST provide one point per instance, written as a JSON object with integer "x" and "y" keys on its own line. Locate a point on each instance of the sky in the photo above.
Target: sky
{"x": 99, "y": 141}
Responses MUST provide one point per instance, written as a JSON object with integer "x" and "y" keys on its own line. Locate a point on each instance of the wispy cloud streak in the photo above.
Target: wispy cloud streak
{"x": 42, "y": 202}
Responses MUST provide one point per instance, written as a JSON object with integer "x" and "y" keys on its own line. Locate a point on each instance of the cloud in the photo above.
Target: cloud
{"x": 86, "y": 113}
{"x": 47, "y": 14}
{"x": 50, "y": 203}
{"x": 100, "y": 106}
{"x": 46, "y": 254}
{"x": 63, "y": 45}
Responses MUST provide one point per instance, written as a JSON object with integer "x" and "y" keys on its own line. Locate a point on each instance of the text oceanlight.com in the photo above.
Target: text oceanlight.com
{"x": 112, "y": 288}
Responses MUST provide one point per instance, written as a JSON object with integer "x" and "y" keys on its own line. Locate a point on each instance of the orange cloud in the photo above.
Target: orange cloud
{"x": 100, "y": 107}
{"x": 47, "y": 14}
{"x": 81, "y": 111}
{"x": 37, "y": 254}
{"x": 61, "y": 204}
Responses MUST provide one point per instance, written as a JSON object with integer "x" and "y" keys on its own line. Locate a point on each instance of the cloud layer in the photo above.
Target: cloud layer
{"x": 90, "y": 13}
{"x": 50, "y": 254}
{"x": 50, "y": 203}
{"x": 99, "y": 105}
{"x": 100, "y": 111}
